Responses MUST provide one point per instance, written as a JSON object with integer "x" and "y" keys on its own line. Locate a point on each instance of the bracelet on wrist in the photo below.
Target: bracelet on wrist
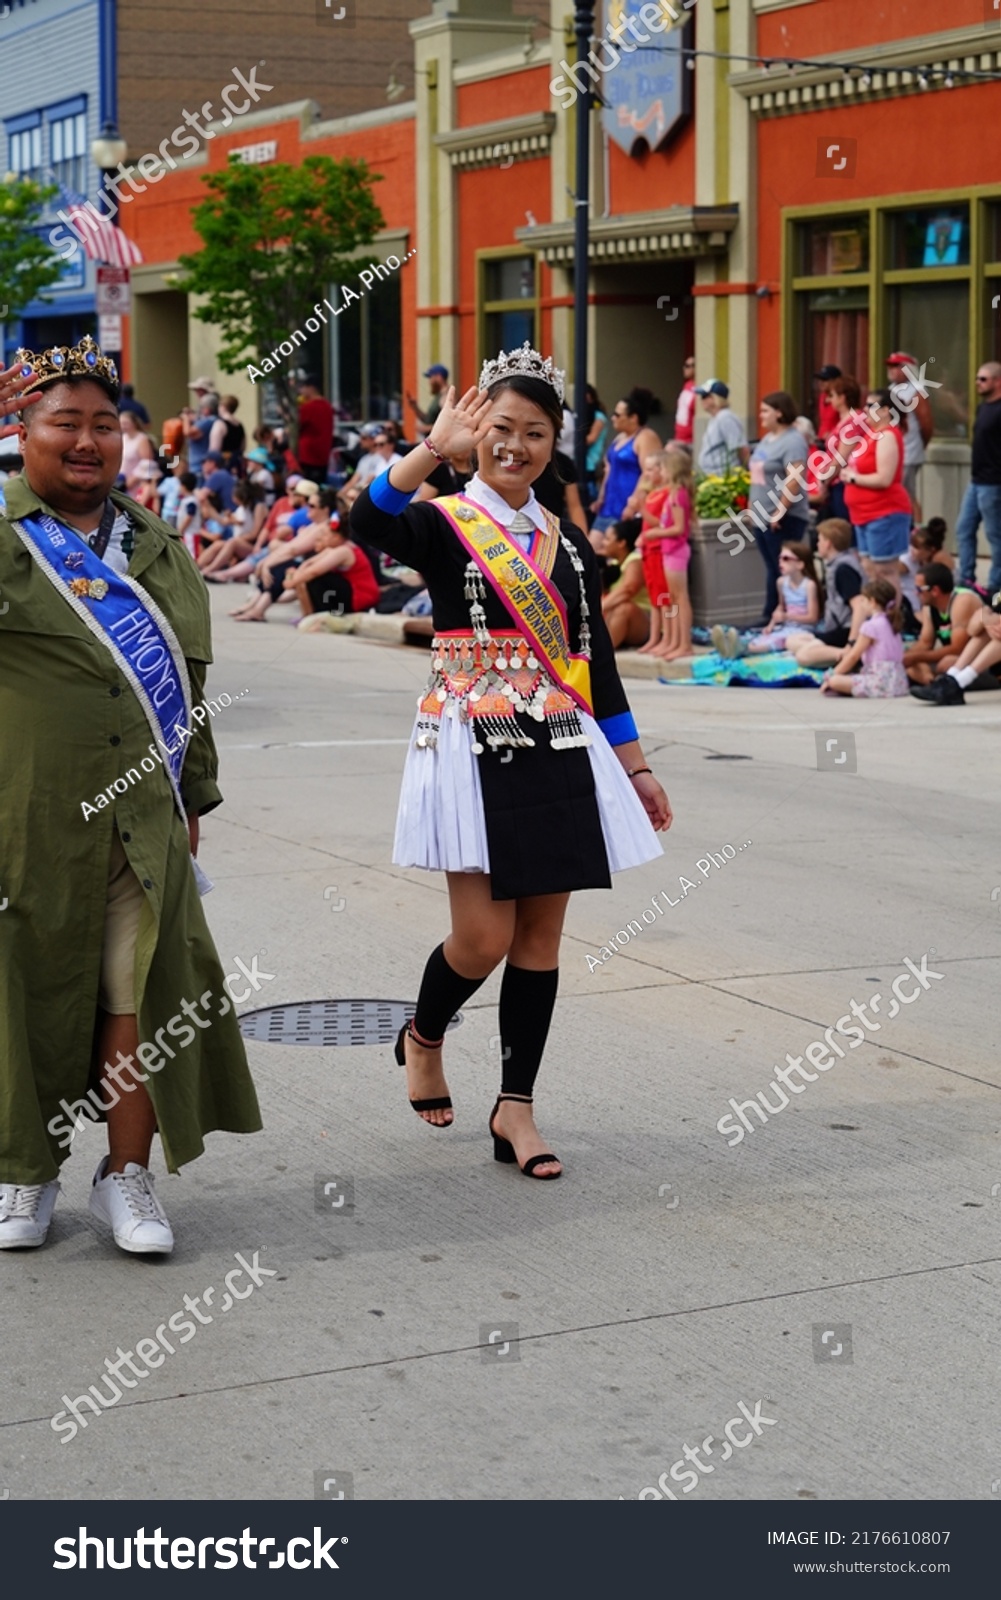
{"x": 433, "y": 451}
{"x": 634, "y": 772}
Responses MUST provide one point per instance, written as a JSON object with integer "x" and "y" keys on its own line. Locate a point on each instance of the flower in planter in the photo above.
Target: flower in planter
{"x": 716, "y": 493}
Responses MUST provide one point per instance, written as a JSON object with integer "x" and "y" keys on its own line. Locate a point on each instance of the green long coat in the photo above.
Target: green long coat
{"x": 70, "y": 725}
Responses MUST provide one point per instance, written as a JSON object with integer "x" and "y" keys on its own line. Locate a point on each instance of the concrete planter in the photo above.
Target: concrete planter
{"x": 727, "y": 578}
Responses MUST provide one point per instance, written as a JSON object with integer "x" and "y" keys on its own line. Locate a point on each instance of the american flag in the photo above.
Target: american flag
{"x": 97, "y": 233}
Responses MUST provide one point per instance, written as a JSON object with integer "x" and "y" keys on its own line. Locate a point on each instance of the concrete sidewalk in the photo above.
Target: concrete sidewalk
{"x": 671, "y": 1276}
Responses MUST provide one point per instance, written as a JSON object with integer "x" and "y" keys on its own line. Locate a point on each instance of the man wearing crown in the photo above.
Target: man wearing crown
{"x": 105, "y": 768}
{"x": 525, "y": 779}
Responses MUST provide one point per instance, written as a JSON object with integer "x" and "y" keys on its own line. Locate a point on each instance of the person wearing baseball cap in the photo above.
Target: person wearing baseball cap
{"x": 827, "y": 417}
{"x": 724, "y": 443}
{"x": 917, "y": 423}
{"x": 437, "y": 377}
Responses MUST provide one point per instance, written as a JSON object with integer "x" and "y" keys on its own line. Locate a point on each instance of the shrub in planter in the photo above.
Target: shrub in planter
{"x": 718, "y": 493}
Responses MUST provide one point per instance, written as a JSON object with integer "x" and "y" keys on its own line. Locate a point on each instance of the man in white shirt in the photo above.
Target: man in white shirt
{"x": 724, "y": 444}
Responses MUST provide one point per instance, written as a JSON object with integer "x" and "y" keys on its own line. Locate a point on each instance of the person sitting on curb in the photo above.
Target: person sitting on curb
{"x": 282, "y": 556}
{"x": 276, "y": 530}
{"x": 946, "y": 611}
{"x": 338, "y": 578}
{"x": 626, "y": 605}
{"x": 842, "y": 613}
{"x": 981, "y": 654}
{"x": 878, "y": 651}
{"x": 797, "y": 612}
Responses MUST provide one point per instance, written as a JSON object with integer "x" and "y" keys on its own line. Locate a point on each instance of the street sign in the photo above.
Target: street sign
{"x": 646, "y": 93}
{"x": 114, "y": 290}
{"x": 109, "y": 331}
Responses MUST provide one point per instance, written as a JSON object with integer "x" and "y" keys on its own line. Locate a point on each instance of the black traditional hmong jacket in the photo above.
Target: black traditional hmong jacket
{"x": 540, "y": 807}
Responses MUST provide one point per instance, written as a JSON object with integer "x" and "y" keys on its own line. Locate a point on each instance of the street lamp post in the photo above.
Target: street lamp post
{"x": 108, "y": 152}
{"x": 583, "y": 27}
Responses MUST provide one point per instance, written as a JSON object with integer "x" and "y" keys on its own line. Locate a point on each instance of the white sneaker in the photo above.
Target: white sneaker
{"x": 126, "y": 1201}
{"x": 25, "y": 1213}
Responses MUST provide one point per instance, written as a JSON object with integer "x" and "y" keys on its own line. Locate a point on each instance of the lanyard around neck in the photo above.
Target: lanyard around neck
{"x": 98, "y": 540}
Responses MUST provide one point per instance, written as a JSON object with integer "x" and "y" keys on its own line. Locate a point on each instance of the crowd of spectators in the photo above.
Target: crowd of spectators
{"x": 852, "y": 582}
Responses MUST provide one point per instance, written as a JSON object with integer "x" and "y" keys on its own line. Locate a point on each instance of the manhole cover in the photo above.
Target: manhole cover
{"x": 729, "y": 758}
{"x": 331, "y": 1022}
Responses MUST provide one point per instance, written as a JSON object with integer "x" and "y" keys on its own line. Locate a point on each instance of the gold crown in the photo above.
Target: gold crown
{"x": 83, "y": 360}
{"x": 524, "y": 363}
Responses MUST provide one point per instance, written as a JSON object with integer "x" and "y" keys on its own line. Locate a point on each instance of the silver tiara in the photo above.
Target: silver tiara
{"x": 523, "y": 363}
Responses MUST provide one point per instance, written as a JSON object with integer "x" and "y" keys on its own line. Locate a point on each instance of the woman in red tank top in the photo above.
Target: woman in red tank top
{"x": 878, "y": 504}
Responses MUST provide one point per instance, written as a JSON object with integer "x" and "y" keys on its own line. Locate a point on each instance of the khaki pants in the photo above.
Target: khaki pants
{"x": 121, "y": 925}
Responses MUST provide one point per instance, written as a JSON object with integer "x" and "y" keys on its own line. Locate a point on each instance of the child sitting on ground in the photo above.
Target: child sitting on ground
{"x": 879, "y": 648}
{"x": 843, "y": 579}
{"x": 650, "y": 545}
{"x": 798, "y": 610}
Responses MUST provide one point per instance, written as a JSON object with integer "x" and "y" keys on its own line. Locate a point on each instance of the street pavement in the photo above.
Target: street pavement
{"x": 464, "y": 1333}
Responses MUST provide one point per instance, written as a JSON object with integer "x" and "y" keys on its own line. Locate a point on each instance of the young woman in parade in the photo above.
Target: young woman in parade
{"x": 525, "y": 779}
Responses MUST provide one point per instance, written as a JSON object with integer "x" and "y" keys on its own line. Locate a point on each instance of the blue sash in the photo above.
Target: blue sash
{"x": 128, "y": 623}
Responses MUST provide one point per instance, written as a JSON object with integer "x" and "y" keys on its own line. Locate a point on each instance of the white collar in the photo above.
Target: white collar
{"x": 499, "y": 509}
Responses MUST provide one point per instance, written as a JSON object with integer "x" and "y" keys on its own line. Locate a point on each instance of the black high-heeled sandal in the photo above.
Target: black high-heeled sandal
{"x": 439, "y": 1102}
{"x": 504, "y": 1149}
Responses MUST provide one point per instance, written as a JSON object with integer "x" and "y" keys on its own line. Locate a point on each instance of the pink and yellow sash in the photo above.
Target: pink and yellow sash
{"x": 531, "y": 598}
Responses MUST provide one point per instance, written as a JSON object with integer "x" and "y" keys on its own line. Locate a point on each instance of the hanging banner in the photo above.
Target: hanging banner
{"x": 646, "y": 87}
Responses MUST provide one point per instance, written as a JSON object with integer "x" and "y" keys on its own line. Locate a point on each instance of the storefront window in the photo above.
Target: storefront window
{"x": 834, "y": 331}
{"x": 508, "y": 302}
{"x": 827, "y": 247}
{"x": 932, "y": 322}
{"x": 510, "y": 278}
{"x": 937, "y": 236}
{"x": 929, "y": 290}
{"x": 368, "y": 378}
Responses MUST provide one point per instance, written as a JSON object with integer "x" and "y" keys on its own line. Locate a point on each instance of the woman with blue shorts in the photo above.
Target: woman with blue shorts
{"x": 878, "y": 504}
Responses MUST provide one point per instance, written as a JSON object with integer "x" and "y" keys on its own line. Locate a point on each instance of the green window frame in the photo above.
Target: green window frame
{"x": 879, "y": 284}
{"x": 490, "y": 306}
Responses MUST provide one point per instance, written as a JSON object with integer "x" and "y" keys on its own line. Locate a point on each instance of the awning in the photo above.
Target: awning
{"x": 678, "y": 231}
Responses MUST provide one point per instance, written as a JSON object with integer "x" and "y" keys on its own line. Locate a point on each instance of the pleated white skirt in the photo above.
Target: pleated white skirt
{"x": 440, "y": 824}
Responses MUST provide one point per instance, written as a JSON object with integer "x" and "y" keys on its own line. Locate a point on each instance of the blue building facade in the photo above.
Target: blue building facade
{"x": 58, "y": 87}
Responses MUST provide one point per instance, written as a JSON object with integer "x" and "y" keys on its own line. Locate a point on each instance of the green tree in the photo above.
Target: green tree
{"x": 274, "y": 238}
{"x": 27, "y": 262}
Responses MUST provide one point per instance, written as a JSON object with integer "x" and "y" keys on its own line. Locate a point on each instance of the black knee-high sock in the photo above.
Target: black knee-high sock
{"x": 442, "y": 992}
{"x": 526, "y": 1010}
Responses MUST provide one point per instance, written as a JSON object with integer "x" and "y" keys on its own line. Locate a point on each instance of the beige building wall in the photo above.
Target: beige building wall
{"x": 158, "y": 333}
{"x": 725, "y": 324}
{"x": 456, "y": 34}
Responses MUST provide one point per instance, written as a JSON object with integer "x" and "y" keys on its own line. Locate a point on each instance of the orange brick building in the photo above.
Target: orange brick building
{"x": 770, "y": 218}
